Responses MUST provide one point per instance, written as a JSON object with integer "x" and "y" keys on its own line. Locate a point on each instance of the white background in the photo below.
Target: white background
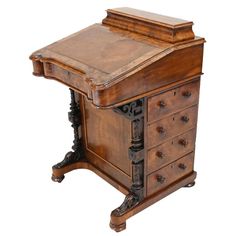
{"x": 35, "y": 133}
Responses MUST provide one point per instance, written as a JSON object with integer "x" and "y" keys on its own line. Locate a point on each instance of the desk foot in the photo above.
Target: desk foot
{"x": 71, "y": 162}
{"x": 57, "y": 179}
{"x": 130, "y": 207}
{"x": 118, "y": 228}
{"x": 118, "y": 222}
{"x": 70, "y": 158}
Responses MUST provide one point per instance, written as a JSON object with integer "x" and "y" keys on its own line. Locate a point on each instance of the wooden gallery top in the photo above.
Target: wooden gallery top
{"x": 129, "y": 55}
{"x": 143, "y": 70}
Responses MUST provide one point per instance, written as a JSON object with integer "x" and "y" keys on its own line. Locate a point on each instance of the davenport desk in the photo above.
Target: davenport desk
{"x": 134, "y": 83}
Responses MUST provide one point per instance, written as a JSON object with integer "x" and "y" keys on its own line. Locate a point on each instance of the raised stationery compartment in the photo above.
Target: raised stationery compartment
{"x": 130, "y": 49}
{"x": 157, "y": 26}
{"x": 144, "y": 69}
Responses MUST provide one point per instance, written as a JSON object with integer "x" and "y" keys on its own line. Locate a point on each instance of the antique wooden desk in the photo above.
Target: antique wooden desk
{"x": 134, "y": 84}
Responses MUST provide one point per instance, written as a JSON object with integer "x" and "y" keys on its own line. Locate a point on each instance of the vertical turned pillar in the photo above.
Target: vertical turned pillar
{"x": 74, "y": 116}
{"x": 134, "y": 111}
{"x": 136, "y": 155}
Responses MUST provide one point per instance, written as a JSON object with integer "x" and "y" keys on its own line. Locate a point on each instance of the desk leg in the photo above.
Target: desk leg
{"x": 133, "y": 111}
{"x": 75, "y": 156}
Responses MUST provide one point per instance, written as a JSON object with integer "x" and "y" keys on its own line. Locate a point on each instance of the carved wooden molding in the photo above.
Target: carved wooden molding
{"x": 165, "y": 28}
{"x": 136, "y": 154}
{"x": 130, "y": 201}
{"x": 131, "y": 110}
{"x": 134, "y": 111}
{"x": 74, "y": 117}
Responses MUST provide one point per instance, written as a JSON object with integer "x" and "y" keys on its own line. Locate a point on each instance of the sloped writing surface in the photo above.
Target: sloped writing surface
{"x": 98, "y": 47}
{"x": 126, "y": 56}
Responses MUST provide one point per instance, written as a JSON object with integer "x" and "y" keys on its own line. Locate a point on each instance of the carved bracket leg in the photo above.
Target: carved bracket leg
{"x": 72, "y": 157}
{"x": 134, "y": 112}
{"x": 130, "y": 201}
{"x": 123, "y": 212}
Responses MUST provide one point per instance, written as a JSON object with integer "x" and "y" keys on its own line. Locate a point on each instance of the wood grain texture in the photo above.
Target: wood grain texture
{"x": 103, "y": 59}
{"x": 84, "y": 164}
{"x": 134, "y": 81}
{"x": 150, "y": 17}
{"x": 171, "y": 126}
{"x": 173, "y": 67}
{"x": 107, "y": 138}
{"x": 169, "y": 151}
{"x": 117, "y": 221}
{"x": 169, "y": 174}
{"x": 161, "y": 27}
{"x": 164, "y": 104}
{"x": 107, "y": 52}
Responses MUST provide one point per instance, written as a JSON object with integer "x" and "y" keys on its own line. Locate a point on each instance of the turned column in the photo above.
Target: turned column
{"x": 133, "y": 111}
{"x": 74, "y": 116}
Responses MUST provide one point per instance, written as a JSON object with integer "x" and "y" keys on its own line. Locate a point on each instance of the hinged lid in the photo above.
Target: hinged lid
{"x": 161, "y": 27}
{"x": 105, "y": 61}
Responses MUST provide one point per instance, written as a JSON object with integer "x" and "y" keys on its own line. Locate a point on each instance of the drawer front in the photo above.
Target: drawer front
{"x": 169, "y": 174}
{"x": 168, "y": 102}
{"x": 171, "y": 126}
{"x": 76, "y": 80}
{"x": 170, "y": 151}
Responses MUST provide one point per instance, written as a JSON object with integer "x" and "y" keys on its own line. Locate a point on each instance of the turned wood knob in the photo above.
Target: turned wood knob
{"x": 160, "y": 179}
{"x": 160, "y": 130}
{"x": 161, "y": 104}
{"x": 185, "y": 119}
{"x": 182, "y": 166}
{"x": 183, "y": 142}
{"x": 160, "y": 154}
{"x": 187, "y": 94}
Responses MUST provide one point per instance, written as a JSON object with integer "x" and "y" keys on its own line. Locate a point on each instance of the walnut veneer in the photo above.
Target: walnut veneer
{"x": 134, "y": 81}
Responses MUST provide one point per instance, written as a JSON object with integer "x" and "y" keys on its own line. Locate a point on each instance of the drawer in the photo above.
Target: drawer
{"x": 169, "y": 174}
{"x": 170, "y": 151}
{"x": 171, "y": 126}
{"x": 168, "y": 102}
{"x": 72, "y": 78}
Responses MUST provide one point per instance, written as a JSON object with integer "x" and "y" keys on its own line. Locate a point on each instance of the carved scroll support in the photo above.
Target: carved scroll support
{"x": 134, "y": 111}
{"x": 72, "y": 156}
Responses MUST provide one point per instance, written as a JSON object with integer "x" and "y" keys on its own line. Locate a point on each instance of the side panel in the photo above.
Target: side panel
{"x": 106, "y": 137}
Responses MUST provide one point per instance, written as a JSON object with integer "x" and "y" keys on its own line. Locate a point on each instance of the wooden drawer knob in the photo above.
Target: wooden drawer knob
{"x": 161, "y": 104}
{"x": 183, "y": 142}
{"x": 182, "y": 166}
{"x": 160, "y": 154}
{"x": 160, "y": 130}
{"x": 160, "y": 179}
{"x": 185, "y": 119}
{"x": 187, "y": 94}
